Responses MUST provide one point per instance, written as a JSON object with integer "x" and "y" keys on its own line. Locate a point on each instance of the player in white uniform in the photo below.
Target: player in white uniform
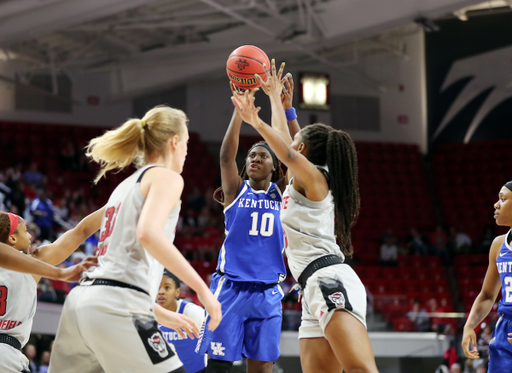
{"x": 108, "y": 323}
{"x": 18, "y": 291}
{"x": 320, "y": 205}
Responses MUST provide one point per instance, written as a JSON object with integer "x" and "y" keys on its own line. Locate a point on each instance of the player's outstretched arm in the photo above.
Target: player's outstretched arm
{"x": 484, "y": 301}
{"x": 162, "y": 189}
{"x": 66, "y": 244}
{"x": 183, "y": 325}
{"x": 231, "y": 181}
{"x": 14, "y": 260}
{"x": 273, "y": 87}
{"x": 304, "y": 172}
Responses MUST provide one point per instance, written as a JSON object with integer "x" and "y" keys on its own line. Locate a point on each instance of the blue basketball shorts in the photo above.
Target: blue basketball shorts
{"x": 251, "y": 321}
{"x": 500, "y": 349}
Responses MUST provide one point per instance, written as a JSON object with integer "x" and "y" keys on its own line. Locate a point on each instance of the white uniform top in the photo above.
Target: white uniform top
{"x": 121, "y": 256}
{"x": 18, "y": 300}
{"x": 309, "y": 229}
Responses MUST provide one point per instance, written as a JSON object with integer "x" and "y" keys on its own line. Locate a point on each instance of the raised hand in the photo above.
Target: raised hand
{"x": 273, "y": 85}
{"x": 287, "y": 93}
{"x": 244, "y": 103}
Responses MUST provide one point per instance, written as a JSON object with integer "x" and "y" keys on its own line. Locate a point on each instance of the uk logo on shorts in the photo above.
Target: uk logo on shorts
{"x": 338, "y": 299}
{"x": 158, "y": 344}
{"x": 217, "y": 348}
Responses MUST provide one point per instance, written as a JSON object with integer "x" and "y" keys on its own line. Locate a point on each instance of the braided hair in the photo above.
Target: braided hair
{"x": 327, "y": 146}
{"x": 277, "y": 174}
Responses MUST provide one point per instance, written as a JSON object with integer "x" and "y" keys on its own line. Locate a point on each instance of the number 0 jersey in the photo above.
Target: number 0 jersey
{"x": 121, "y": 256}
{"x": 504, "y": 264}
{"x": 253, "y": 248}
{"x": 18, "y": 300}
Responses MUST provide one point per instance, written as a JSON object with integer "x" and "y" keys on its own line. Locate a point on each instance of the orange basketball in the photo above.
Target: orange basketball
{"x": 243, "y": 63}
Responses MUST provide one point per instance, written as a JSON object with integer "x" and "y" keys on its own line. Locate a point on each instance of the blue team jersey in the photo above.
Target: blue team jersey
{"x": 504, "y": 264}
{"x": 192, "y": 362}
{"x": 253, "y": 248}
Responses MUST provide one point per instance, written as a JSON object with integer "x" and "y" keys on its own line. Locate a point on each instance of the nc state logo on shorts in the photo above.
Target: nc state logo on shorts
{"x": 338, "y": 299}
{"x": 158, "y": 344}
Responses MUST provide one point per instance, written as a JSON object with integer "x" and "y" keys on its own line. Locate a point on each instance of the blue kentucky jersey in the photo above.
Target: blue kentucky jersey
{"x": 192, "y": 362}
{"x": 504, "y": 264}
{"x": 253, "y": 248}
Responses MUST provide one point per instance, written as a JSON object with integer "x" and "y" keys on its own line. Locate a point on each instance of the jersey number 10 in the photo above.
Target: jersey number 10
{"x": 267, "y": 224}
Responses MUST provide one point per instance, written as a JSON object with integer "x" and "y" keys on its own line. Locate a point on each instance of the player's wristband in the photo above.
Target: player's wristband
{"x": 290, "y": 114}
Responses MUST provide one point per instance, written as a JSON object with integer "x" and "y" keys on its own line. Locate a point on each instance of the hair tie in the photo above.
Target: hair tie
{"x": 14, "y": 220}
{"x": 143, "y": 123}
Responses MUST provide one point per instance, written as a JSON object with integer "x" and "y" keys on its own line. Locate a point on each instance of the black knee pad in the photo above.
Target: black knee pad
{"x": 219, "y": 366}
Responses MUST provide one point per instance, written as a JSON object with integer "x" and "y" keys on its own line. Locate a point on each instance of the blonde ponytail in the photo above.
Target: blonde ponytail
{"x": 136, "y": 139}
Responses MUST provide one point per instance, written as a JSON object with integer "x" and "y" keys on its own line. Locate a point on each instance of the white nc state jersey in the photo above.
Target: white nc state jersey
{"x": 18, "y": 300}
{"x": 309, "y": 229}
{"x": 121, "y": 256}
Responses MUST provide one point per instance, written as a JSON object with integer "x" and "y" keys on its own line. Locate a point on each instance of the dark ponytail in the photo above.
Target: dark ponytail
{"x": 327, "y": 146}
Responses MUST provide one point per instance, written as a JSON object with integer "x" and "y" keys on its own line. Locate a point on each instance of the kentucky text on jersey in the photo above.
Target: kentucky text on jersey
{"x": 252, "y": 250}
{"x": 504, "y": 267}
{"x": 9, "y": 324}
{"x": 261, "y": 204}
{"x": 173, "y": 336}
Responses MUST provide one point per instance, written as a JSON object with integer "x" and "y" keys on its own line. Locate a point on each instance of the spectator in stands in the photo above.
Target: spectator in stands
{"x": 481, "y": 369}
{"x": 389, "y": 252}
{"x": 387, "y": 234}
{"x": 462, "y": 241}
{"x": 42, "y": 210}
{"x": 17, "y": 198}
{"x": 45, "y": 362}
{"x": 91, "y": 244}
{"x": 291, "y": 316}
{"x": 67, "y": 157}
{"x": 61, "y": 209}
{"x": 204, "y": 218}
{"x": 455, "y": 368}
{"x": 419, "y": 317}
{"x": 469, "y": 366}
{"x": 206, "y": 246}
{"x": 57, "y": 186}
{"x": 33, "y": 175}
{"x": 31, "y": 352}
{"x": 483, "y": 342}
{"x": 190, "y": 221}
{"x": 45, "y": 291}
{"x": 196, "y": 200}
{"x": 61, "y": 288}
{"x": 416, "y": 243}
{"x": 487, "y": 238}
{"x": 439, "y": 244}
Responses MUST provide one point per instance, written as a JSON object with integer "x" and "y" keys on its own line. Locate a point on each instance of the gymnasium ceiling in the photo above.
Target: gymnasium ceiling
{"x": 193, "y": 38}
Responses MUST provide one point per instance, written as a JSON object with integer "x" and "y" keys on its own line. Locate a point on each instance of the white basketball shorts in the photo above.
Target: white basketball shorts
{"x": 12, "y": 360}
{"x": 332, "y": 288}
{"x": 112, "y": 330}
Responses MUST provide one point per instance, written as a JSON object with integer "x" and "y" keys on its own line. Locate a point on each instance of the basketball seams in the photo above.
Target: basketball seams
{"x": 243, "y": 58}
{"x": 241, "y": 73}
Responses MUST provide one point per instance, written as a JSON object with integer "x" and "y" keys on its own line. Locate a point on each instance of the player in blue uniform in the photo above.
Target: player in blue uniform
{"x": 499, "y": 275}
{"x": 184, "y": 346}
{"x": 250, "y": 263}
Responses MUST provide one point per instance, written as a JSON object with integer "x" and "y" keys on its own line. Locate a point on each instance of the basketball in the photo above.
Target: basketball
{"x": 243, "y": 63}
